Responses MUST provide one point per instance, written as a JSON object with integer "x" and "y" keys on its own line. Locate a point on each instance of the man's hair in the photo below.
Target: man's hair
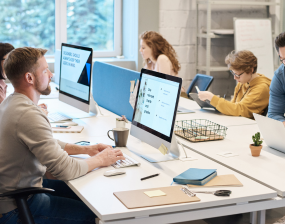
{"x": 280, "y": 41}
{"x": 22, "y": 60}
{"x": 242, "y": 60}
{"x": 5, "y": 48}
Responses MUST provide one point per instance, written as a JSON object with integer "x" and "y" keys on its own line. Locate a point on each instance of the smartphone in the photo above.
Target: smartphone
{"x": 82, "y": 143}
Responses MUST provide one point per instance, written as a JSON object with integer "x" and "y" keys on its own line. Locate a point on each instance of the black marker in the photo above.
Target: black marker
{"x": 154, "y": 175}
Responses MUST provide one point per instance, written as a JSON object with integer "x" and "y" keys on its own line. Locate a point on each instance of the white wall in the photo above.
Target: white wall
{"x": 177, "y": 23}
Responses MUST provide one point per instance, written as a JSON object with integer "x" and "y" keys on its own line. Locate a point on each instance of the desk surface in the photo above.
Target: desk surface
{"x": 210, "y": 114}
{"x": 97, "y": 190}
{"x": 266, "y": 169}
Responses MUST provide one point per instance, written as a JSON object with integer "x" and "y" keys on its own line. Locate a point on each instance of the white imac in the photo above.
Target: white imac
{"x": 75, "y": 76}
{"x": 155, "y": 112}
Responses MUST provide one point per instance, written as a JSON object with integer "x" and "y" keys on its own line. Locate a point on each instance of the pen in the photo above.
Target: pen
{"x": 57, "y": 88}
{"x": 154, "y": 175}
{"x": 61, "y": 126}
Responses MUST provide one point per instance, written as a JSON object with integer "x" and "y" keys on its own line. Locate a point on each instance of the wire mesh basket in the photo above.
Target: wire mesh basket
{"x": 200, "y": 130}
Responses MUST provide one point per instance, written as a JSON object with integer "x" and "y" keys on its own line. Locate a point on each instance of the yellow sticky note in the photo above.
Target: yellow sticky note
{"x": 132, "y": 86}
{"x": 163, "y": 149}
{"x": 155, "y": 193}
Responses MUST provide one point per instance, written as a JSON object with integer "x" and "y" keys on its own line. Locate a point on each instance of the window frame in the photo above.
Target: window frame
{"x": 61, "y": 30}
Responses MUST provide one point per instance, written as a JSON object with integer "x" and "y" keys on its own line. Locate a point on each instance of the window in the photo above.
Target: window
{"x": 47, "y": 24}
{"x": 28, "y": 23}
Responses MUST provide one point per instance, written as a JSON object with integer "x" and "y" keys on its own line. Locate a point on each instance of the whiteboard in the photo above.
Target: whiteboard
{"x": 255, "y": 35}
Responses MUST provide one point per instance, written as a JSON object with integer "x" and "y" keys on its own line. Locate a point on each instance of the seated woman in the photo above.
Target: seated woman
{"x": 158, "y": 54}
{"x": 252, "y": 91}
{"x": 5, "y": 48}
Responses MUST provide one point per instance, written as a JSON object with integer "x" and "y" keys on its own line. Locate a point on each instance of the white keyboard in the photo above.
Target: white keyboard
{"x": 125, "y": 163}
{"x": 54, "y": 117}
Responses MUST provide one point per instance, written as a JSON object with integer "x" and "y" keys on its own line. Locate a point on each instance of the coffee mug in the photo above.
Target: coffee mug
{"x": 120, "y": 136}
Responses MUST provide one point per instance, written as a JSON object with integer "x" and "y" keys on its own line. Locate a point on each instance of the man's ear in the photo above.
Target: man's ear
{"x": 29, "y": 78}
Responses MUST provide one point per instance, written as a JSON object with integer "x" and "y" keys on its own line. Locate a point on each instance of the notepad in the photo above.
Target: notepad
{"x": 156, "y": 193}
{"x": 163, "y": 149}
{"x": 70, "y": 129}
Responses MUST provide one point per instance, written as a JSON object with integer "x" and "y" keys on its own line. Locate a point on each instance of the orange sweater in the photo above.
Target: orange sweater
{"x": 248, "y": 98}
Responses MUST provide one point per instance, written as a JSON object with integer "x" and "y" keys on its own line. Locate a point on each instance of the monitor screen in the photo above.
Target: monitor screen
{"x": 75, "y": 72}
{"x": 156, "y": 103}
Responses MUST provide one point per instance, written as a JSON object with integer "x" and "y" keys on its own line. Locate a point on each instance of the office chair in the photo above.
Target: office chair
{"x": 21, "y": 197}
{"x": 202, "y": 81}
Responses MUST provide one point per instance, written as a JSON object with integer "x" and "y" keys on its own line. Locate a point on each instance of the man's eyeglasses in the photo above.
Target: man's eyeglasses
{"x": 234, "y": 74}
{"x": 282, "y": 60}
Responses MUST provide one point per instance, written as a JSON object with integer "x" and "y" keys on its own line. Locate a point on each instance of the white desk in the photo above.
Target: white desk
{"x": 97, "y": 191}
{"x": 267, "y": 168}
{"x": 211, "y": 115}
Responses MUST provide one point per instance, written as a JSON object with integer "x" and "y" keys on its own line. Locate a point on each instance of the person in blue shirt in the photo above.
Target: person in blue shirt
{"x": 276, "y": 106}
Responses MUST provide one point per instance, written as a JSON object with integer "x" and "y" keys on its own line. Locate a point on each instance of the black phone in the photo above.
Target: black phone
{"x": 82, "y": 143}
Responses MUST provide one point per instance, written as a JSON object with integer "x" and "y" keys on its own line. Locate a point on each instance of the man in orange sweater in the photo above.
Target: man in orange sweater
{"x": 252, "y": 91}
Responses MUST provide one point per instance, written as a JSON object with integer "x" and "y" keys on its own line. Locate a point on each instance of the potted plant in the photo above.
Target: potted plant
{"x": 256, "y": 146}
{"x": 121, "y": 121}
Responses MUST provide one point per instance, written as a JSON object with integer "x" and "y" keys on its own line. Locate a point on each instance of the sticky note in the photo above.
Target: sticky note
{"x": 227, "y": 154}
{"x": 132, "y": 86}
{"x": 163, "y": 149}
{"x": 156, "y": 193}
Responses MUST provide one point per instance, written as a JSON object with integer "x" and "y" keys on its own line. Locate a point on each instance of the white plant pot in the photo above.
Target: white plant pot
{"x": 120, "y": 124}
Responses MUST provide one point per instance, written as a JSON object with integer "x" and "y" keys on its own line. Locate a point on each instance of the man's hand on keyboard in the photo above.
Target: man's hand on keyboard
{"x": 109, "y": 156}
{"x": 93, "y": 150}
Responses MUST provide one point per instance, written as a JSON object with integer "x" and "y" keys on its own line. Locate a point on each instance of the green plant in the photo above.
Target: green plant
{"x": 256, "y": 139}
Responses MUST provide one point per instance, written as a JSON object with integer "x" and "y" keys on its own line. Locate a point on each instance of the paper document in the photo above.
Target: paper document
{"x": 227, "y": 154}
{"x": 132, "y": 85}
{"x": 155, "y": 193}
{"x": 133, "y": 95}
{"x": 163, "y": 149}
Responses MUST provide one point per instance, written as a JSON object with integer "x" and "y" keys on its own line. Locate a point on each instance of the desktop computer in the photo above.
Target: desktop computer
{"x": 75, "y": 75}
{"x": 155, "y": 112}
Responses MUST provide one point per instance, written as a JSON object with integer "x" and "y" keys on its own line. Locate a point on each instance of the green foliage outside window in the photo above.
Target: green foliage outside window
{"x": 32, "y": 23}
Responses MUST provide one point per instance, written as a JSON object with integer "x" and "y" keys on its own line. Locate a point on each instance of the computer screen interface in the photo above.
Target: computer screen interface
{"x": 156, "y": 103}
{"x": 75, "y": 72}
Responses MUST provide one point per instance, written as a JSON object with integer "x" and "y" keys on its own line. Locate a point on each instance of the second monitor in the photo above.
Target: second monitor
{"x": 155, "y": 112}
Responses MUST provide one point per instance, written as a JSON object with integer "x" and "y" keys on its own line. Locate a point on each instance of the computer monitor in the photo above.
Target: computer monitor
{"x": 75, "y": 76}
{"x": 155, "y": 112}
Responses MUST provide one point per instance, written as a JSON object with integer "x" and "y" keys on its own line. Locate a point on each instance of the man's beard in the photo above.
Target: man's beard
{"x": 42, "y": 92}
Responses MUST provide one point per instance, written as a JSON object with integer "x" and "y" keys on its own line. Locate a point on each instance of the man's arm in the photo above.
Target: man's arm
{"x": 277, "y": 98}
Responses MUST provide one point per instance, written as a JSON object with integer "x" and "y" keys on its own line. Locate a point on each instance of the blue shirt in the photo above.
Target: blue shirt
{"x": 276, "y": 106}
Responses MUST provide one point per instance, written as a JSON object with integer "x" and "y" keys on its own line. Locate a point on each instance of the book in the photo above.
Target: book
{"x": 69, "y": 129}
{"x": 195, "y": 176}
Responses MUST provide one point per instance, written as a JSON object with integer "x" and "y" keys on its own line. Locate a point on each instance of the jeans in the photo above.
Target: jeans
{"x": 62, "y": 206}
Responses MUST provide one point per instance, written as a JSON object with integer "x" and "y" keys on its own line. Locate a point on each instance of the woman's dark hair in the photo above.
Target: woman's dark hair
{"x": 5, "y": 48}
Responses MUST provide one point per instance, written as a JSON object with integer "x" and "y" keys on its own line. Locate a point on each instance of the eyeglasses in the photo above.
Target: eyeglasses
{"x": 282, "y": 60}
{"x": 234, "y": 74}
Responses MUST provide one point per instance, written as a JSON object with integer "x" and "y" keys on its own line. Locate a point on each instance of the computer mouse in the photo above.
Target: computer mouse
{"x": 70, "y": 123}
{"x": 110, "y": 173}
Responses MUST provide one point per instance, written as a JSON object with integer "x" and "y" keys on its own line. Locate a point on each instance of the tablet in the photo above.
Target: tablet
{"x": 202, "y": 104}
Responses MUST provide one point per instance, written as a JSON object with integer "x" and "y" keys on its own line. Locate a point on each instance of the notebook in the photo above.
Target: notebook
{"x": 195, "y": 176}
{"x": 70, "y": 129}
{"x": 139, "y": 199}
